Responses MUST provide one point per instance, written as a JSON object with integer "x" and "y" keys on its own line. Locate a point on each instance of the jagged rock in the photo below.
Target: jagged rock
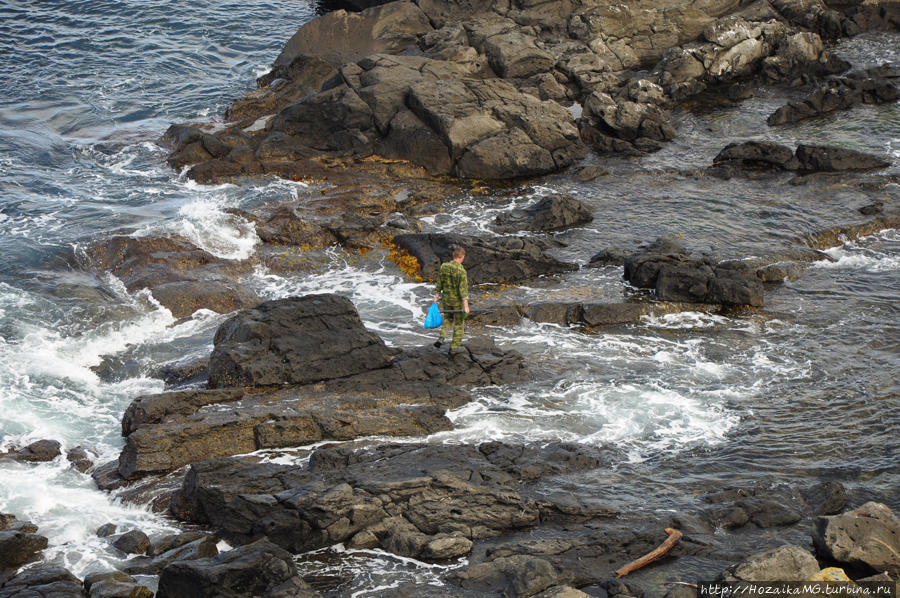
{"x": 760, "y": 506}
{"x": 504, "y": 259}
{"x": 554, "y": 212}
{"x": 826, "y": 498}
{"x": 106, "y": 530}
{"x": 758, "y": 153}
{"x": 295, "y": 341}
{"x": 868, "y": 536}
{"x": 257, "y": 569}
{"x": 785, "y": 563}
{"x": 425, "y": 501}
{"x": 43, "y": 582}
{"x": 513, "y": 576}
{"x": 666, "y": 267}
{"x": 132, "y": 542}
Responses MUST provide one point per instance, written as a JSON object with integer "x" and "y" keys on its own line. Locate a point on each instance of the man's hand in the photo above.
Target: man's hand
{"x": 466, "y": 305}
{"x": 437, "y": 297}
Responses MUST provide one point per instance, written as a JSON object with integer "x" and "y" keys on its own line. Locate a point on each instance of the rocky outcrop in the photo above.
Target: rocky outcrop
{"x": 186, "y": 546}
{"x": 867, "y": 537}
{"x": 484, "y": 90}
{"x": 19, "y": 542}
{"x": 872, "y": 86}
{"x": 551, "y": 213}
{"x": 259, "y": 569}
{"x": 113, "y": 585}
{"x": 502, "y": 259}
{"x": 302, "y": 370}
{"x": 298, "y": 340}
{"x": 180, "y": 275}
{"x": 666, "y": 267}
{"x": 425, "y": 501}
{"x": 43, "y": 582}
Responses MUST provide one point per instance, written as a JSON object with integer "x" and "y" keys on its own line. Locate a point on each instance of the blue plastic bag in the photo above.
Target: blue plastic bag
{"x": 434, "y": 319}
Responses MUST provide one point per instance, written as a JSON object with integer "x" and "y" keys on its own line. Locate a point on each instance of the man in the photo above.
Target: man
{"x": 453, "y": 284}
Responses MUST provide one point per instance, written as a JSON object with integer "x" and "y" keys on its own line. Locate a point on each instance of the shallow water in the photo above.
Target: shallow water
{"x": 805, "y": 393}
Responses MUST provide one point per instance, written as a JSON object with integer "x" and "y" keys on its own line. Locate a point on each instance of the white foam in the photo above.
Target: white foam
{"x": 865, "y": 254}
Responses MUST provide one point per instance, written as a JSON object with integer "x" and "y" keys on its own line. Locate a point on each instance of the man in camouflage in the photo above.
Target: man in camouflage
{"x": 453, "y": 289}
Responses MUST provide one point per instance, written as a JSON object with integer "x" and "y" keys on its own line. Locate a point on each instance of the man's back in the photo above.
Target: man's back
{"x": 454, "y": 282}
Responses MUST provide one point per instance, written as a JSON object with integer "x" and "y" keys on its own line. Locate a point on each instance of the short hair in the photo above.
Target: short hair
{"x": 458, "y": 251}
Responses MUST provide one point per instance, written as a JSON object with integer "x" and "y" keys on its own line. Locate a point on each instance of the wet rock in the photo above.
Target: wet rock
{"x": 295, "y": 341}
{"x": 180, "y": 275}
{"x": 785, "y": 563}
{"x": 814, "y": 158}
{"x": 19, "y": 542}
{"x": 504, "y": 259}
{"x": 865, "y": 537}
{"x": 757, "y": 154}
{"x": 152, "y": 409}
{"x": 562, "y": 592}
{"x": 43, "y": 582}
{"x": 760, "y": 506}
{"x": 666, "y": 267}
{"x": 106, "y": 530}
{"x": 115, "y": 585}
{"x": 184, "y": 547}
{"x": 80, "y": 458}
{"x": 605, "y": 314}
{"x": 425, "y": 501}
{"x": 258, "y": 569}
{"x": 132, "y": 542}
{"x": 874, "y": 86}
{"x": 826, "y": 498}
{"x": 554, "y": 212}
{"x": 184, "y": 372}
{"x": 611, "y": 256}
{"x": 40, "y": 451}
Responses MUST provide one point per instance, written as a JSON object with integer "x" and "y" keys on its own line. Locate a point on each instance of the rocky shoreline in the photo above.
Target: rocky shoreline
{"x": 394, "y": 110}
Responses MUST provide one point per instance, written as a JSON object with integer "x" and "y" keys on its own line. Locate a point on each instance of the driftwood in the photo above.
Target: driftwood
{"x": 671, "y": 541}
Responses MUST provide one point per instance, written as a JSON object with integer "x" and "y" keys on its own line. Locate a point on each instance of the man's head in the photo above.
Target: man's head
{"x": 459, "y": 253}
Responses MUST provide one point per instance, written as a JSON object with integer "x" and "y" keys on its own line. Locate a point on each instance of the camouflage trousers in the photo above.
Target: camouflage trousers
{"x": 456, "y": 320}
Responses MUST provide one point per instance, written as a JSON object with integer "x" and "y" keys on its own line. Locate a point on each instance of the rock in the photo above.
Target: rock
{"x": 8, "y": 522}
{"x": 758, "y": 153}
{"x": 43, "y": 582}
{"x": 295, "y": 341}
{"x": 611, "y": 256}
{"x": 814, "y": 158}
{"x": 152, "y": 409}
{"x": 115, "y": 585}
{"x": 106, "y": 530}
{"x": 184, "y": 547}
{"x": 785, "y": 563}
{"x": 761, "y": 506}
{"x": 513, "y": 576}
{"x": 425, "y": 501}
{"x": 255, "y": 569}
{"x": 865, "y": 537}
{"x": 665, "y": 267}
{"x": 874, "y": 86}
{"x": 80, "y": 458}
{"x": 562, "y": 592}
{"x": 504, "y": 259}
{"x": 826, "y": 498}
{"x": 19, "y": 544}
{"x": 132, "y": 542}
{"x": 551, "y": 213}
{"x": 38, "y": 452}
{"x": 180, "y": 275}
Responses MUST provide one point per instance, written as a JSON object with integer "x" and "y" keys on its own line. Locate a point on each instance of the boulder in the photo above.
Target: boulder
{"x": 504, "y": 259}
{"x": 667, "y": 268}
{"x": 115, "y": 585}
{"x": 865, "y": 537}
{"x": 759, "y": 506}
{"x": 43, "y": 582}
{"x": 551, "y": 213}
{"x": 19, "y": 544}
{"x": 183, "y": 547}
{"x": 514, "y": 576}
{"x": 785, "y": 563}
{"x": 132, "y": 542}
{"x": 257, "y": 569}
{"x": 80, "y": 458}
{"x": 38, "y": 452}
{"x": 766, "y": 154}
{"x": 297, "y": 340}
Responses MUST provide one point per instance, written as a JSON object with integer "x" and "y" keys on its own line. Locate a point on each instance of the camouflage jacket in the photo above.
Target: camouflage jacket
{"x": 453, "y": 282}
